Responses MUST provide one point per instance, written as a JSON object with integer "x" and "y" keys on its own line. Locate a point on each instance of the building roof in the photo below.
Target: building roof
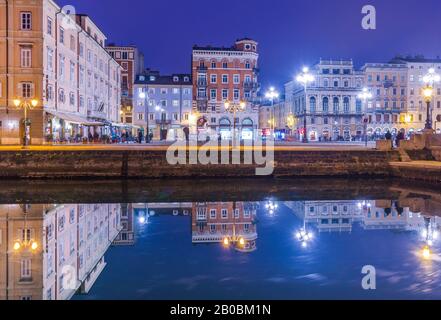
{"x": 415, "y": 59}
{"x": 155, "y": 78}
{"x": 231, "y": 48}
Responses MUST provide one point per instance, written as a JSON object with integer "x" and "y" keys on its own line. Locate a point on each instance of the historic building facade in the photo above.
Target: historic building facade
{"x": 333, "y": 110}
{"x": 167, "y": 101}
{"x": 417, "y": 68}
{"x": 387, "y": 110}
{"x": 131, "y": 61}
{"x": 226, "y": 75}
{"x": 58, "y": 59}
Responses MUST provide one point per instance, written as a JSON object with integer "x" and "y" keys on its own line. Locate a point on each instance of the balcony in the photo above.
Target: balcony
{"x": 202, "y": 69}
{"x": 202, "y": 98}
{"x": 163, "y": 121}
{"x": 202, "y": 82}
{"x": 252, "y": 86}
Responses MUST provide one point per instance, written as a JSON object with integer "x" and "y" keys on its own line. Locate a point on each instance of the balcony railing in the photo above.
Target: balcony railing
{"x": 202, "y": 82}
{"x": 202, "y": 69}
{"x": 251, "y": 85}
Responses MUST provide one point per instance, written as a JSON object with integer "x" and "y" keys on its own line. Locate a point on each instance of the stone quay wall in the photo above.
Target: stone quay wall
{"x": 153, "y": 164}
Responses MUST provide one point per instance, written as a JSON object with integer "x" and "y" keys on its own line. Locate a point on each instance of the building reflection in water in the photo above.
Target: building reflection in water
{"x": 232, "y": 224}
{"x": 50, "y": 252}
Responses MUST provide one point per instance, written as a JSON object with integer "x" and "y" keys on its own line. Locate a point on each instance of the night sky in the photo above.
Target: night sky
{"x": 291, "y": 33}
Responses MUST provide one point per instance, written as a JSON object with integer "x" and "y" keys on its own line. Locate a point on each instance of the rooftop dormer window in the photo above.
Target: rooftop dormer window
{"x": 175, "y": 79}
{"x": 152, "y": 78}
{"x": 141, "y": 78}
{"x": 247, "y": 46}
{"x": 186, "y": 79}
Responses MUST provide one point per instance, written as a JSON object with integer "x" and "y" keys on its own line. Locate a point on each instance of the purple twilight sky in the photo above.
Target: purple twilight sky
{"x": 291, "y": 33}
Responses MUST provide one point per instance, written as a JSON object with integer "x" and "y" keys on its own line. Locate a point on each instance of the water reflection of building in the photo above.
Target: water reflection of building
{"x": 330, "y": 216}
{"x": 70, "y": 242}
{"x": 127, "y": 234}
{"x": 216, "y": 222}
{"x": 406, "y": 215}
{"x": 384, "y": 214}
{"x": 159, "y": 208}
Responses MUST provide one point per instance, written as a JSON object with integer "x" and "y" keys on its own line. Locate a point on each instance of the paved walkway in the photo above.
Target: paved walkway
{"x": 164, "y": 147}
{"x": 418, "y": 164}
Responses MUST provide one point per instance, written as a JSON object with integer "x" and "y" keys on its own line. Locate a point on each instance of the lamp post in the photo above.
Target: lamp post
{"x": 272, "y": 94}
{"x": 430, "y": 80}
{"x": 234, "y": 108}
{"x": 25, "y": 104}
{"x": 364, "y": 96}
{"x": 143, "y": 95}
{"x": 305, "y": 78}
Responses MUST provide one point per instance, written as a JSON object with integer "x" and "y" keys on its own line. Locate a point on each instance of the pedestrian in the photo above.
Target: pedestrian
{"x": 139, "y": 136}
{"x": 388, "y": 137}
{"x": 186, "y": 133}
{"x": 150, "y": 136}
{"x": 400, "y": 136}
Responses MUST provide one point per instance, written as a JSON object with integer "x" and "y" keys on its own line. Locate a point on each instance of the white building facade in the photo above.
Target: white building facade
{"x": 166, "y": 101}
{"x": 333, "y": 110}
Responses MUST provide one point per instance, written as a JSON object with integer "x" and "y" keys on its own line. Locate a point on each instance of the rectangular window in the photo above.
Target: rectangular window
{"x": 26, "y": 89}
{"x": 213, "y": 213}
{"x": 225, "y": 94}
{"x": 61, "y": 35}
{"x": 25, "y": 269}
{"x": 49, "y": 26}
{"x": 224, "y": 78}
{"x": 236, "y": 94}
{"x": 26, "y": 57}
{"x": 213, "y": 78}
{"x": 213, "y": 94}
{"x": 236, "y": 79}
{"x": 224, "y": 214}
{"x": 26, "y": 20}
{"x": 175, "y": 103}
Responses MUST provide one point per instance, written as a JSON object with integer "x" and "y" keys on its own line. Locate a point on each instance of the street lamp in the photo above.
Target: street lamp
{"x": 25, "y": 104}
{"x": 272, "y": 94}
{"x": 430, "y": 80}
{"x": 143, "y": 95}
{"x": 365, "y": 95}
{"x": 305, "y": 78}
{"x": 234, "y": 108}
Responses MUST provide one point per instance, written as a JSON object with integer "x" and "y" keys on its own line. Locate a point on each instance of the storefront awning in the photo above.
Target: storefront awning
{"x": 74, "y": 118}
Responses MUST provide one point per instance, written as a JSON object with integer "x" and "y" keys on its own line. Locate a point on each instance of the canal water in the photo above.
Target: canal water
{"x": 262, "y": 239}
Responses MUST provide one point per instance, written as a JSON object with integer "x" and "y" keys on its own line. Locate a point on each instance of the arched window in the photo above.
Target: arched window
{"x": 224, "y": 122}
{"x": 247, "y": 122}
{"x": 358, "y": 106}
{"x": 312, "y": 105}
{"x": 325, "y": 105}
{"x": 346, "y": 105}
{"x": 336, "y": 105}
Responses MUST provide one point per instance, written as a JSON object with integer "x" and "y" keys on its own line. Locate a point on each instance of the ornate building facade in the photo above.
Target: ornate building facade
{"x": 226, "y": 74}
{"x": 333, "y": 110}
{"x": 56, "y": 57}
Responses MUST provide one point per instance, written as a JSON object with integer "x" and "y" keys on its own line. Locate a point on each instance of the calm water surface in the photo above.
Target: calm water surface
{"x": 268, "y": 248}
